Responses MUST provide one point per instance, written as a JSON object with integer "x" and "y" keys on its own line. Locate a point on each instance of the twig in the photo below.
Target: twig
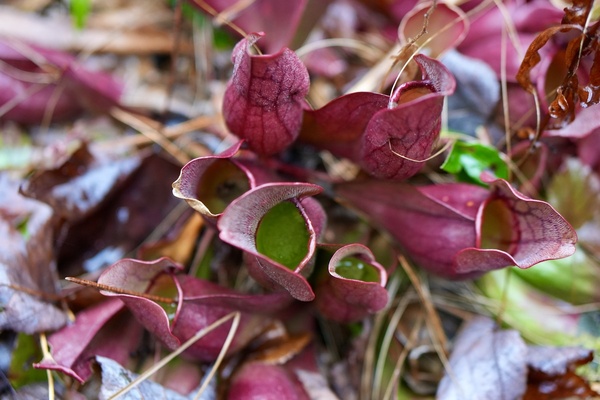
{"x": 117, "y": 290}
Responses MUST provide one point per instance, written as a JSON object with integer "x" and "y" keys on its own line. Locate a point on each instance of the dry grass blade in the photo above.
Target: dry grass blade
{"x": 400, "y": 361}
{"x": 222, "y": 20}
{"x": 425, "y": 296}
{"x": 338, "y": 42}
{"x": 151, "y": 132}
{"x": 431, "y": 157}
{"x": 47, "y": 356}
{"x": 367, "y": 383}
{"x": 199, "y": 335}
{"x": 232, "y": 11}
{"x": 219, "y": 360}
{"x": 169, "y": 132}
{"x": 387, "y": 340}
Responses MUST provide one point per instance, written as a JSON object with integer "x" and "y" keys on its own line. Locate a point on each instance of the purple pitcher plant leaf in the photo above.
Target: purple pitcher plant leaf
{"x": 340, "y": 124}
{"x": 388, "y": 136}
{"x": 354, "y": 287}
{"x": 277, "y": 226}
{"x": 106, "y": 329}
{"x": 208, "y": 184}
{"x": 447, "y": 26}
{"x": 257, "y": 380}
{"x": 399, "y": 137}
{"x": 294, "y": 376}
{"x": 460, "y": 231}
{"x": 35, "y": 78}
{"x": 264, "y": 98}
{"x": 175, "y": 323}
{"x": 515, "y": 230}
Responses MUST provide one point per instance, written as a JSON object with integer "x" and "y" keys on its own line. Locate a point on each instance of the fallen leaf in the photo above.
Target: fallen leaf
{"x": 63, "y": 87}
{"x": 115, "y": 378}
{"x": 27, "y": 263}
{"x": 486, "y": 363}
{"x": 102, "y": 330}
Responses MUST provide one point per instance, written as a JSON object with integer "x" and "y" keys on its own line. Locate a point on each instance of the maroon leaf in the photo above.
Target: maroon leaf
{"x": 263, "y": 100}
{"x": 279, "y": 20}
{"x": 409, "y": 128}
{"x": 239, "y": 226}
{"x": 199, "y": 304}
{"x": 459, "y": 230}
{"x": 430, "y": 231}
{"x": 339, "y": 125}
{"x": 27, "y": 263}
{"x": 381, "y": 133}
{"x": 486, "y": 363}
{"x": 515, "y": 230}
{"x": 297, "y": 378}
{"x": 79, "y": 183}
{"x": 58, "y": 74}
{"x": 585, "y": 124}
{"x": 355, "y": 286}
{"x": 209, "y": 184}
{"x": 103, "y": 330}
{"x": 258, "y": 380}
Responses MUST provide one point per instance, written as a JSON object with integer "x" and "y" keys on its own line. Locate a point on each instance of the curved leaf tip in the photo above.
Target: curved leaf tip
{"x": 355, "y": 286}
{"x": 277, "y": 227}
{"x": 263, "y": 100}
{"x": 397, "y": 140}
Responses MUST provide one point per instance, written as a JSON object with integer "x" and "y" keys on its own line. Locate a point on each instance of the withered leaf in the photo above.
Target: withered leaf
{"x": 27, "y": 263}
{"x": 486, "y": 363}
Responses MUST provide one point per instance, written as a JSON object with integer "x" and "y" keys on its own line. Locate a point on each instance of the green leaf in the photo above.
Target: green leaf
{"x": 357, "y": 269}
{"x": 282, "y": 235}
{"x": 80, "y": 10}
{"x": 575, "y": 193}
{"x": 573, "y": 279}
{"x": 26, "y": 352}
{"x": 468, "y": 160}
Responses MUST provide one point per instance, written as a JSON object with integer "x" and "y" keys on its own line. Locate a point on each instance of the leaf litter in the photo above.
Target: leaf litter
{"x": 211, "y": 298}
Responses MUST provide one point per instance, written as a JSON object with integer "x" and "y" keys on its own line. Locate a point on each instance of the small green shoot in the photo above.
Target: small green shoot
{"x": 469, "y": 160}
{"x": 80, "y": 11}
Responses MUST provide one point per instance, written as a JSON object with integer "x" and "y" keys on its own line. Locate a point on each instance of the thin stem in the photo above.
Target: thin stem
{"x": 226, "y": 345}
{"x": 199, "y": 335}
{"x": 101, "y": 286}
{"x": 47, "y": 356}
